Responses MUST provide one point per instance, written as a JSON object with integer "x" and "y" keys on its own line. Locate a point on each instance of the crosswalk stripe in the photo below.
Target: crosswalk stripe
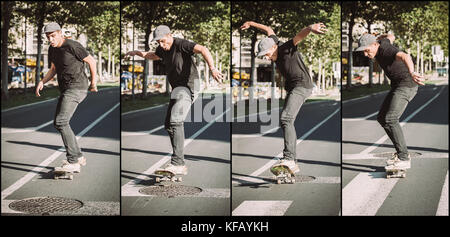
{"x": 262, "y": 208}
{"x": 443, "y": 201}
{"x": 140, "y": 133}
{"x": 365, "y": 194}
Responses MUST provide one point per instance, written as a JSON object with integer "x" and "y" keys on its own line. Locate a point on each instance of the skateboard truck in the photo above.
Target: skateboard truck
{"x": 167, "y": 176}
{"x": 395, "y": 173}
{"x": 60, "y": 173}
{"x": 282, "y": 174}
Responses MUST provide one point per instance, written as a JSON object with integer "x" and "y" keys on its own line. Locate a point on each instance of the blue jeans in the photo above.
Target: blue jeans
{"x": 179, "y": 106}
{"x": 392, "y": 108}
{"x": 294, "y": 101}
{"x": 67, "y": 104}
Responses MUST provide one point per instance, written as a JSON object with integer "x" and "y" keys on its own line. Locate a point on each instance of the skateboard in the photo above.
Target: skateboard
{"x": 282, "y": 174}
{"x": 60, "y": 173}
{"x": 167, "y": 176}
{"x": 394, "y": 173}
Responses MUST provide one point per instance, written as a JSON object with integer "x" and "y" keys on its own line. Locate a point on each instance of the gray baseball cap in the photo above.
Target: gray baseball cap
{"x": 364, "y": 41}
{"x": 264, "y": 46}
{"x": 160, "y": 32}
{"x": 51, "y": 27}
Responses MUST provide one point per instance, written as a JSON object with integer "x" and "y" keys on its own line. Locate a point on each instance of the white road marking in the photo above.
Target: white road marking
{"x": 133, "y": 191}
{"x": 144, "y": 176}
{"x": 21, "y": 130}
{"x": 273, "y": 130}
{"x": 22, "y": 181}
{"x": 443, "y": 201}
{"x": 385, "y": 137}
{"x": 365, "y": 194}
{"x": 262, "y": 208}
{"x": 302, "y": 138}
{"x": 360, "y": 118}
{"x": 145, "y": 109}
{"x": 372, "y": 156}
{"x": 141, "y": 133}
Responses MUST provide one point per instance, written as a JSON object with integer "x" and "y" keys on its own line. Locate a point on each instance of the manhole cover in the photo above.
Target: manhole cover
{"x": 170, "y": 190}
{"x": 390, "y": 154}
{"x": 43, "y": 205}
{"x": 304, "y": 178}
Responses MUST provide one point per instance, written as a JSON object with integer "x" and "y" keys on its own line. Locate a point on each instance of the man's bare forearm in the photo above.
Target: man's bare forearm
{"x": 49, "y": 75}
{"x": 262, "y": 27}
{"x": 93, "y": 70}
{"x": 208, "y": 58}
{"x": 406, "y": 58}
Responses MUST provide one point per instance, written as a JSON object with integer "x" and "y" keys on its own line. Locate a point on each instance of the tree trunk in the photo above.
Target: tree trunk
{"x": 148, "y": 30}
{"x": 319, "y": 78}
{"x": 39, "y": 49}
{"x": 350, "y": 51}
{"x": 252, "y": 74}
{"x": 6, "y": 18}
{"x": 418, "y": 56}
{"x": 109, "y": 60}
{"x": 99, "y": 68}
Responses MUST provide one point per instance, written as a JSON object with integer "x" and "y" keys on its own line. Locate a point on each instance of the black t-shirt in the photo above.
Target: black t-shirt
{"x": 396, "y": 70}
{"x": 290, "y": 63}
{"x": 179, "y": 64}
{"x": 68, "y": 60}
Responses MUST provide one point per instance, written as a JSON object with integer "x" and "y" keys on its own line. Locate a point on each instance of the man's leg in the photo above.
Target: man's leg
{"x": 391, "y": 110}
{"x": 67, "y": 104}
{"x": 294, "y": 101}
{"x": 177, "y": 111}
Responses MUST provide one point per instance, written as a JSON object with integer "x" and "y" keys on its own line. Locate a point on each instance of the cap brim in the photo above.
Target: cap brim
{"x": 262, "y": 53}
{"x": 361, "y": 48}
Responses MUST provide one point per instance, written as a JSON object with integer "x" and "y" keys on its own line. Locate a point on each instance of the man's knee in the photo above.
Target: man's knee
{"x": 59, "y": 123}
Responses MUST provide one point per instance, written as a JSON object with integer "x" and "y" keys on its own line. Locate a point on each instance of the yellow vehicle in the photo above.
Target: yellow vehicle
{"x": 137, "y": 68}
{"x": 245, "y": 75}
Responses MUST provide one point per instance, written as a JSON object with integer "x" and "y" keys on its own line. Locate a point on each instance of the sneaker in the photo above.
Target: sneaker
{"x": 82, "y": 161}
{"x": 394, "y": 159}
{"x": 291, "y": 164}
{"x": 72, "y": 168}
{"x": 177, "y": 169}
{"x": 400, "y": 164}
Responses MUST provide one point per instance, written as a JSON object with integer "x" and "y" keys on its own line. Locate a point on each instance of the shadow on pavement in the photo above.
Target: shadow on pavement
{"x": 367, "y": 167}
{"x": 152, "y": 180}
{"x": 391, "y": 146}
{"x": 311, "y": 162}
{"x": 250, "y": 184}
{"x": 52, "y": 147}
{"x": 187, "y": 157}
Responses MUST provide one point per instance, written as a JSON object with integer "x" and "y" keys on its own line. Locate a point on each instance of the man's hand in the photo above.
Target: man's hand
{"x": 217, "y": 75}
{"x": 318, "y": 28}
{"x": 93, "y": 87}
{"x": 246, "y": 25}
{"x": 133, "y": 53}
{"x": 417, "y": 78}
{"x": 39, "y": 87}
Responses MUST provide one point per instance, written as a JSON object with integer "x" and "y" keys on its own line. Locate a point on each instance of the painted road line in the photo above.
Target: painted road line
{"x": 133, "y": 191}
{"x": 262, "y": 208}
{"x": 239, "y": 179}
{"x": 8, "y": 191}
{"x": 360, "y": 118}
{"x": 141, "y": 133}
{"x": 30, "y": 129}
{"x": 365, "y": 97}
{"x": 144, "y": 176}
{"x": 302, "y": 138}
{"x": 88, "y": 208}
{"x": 145, "y": 109}
{"x": 373, "y": 156}
{"x": 365, "y": 194}
{"x": 443, "y": 201}
{"x": 272, "y": 130}
{"x": 385, "y": 137}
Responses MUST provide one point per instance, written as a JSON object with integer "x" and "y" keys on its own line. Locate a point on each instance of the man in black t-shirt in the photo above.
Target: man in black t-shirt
{"x": 399, "y": 68}
{"x": 67, "y": 58}
{"x": 177, "y": 56}
{"x": 298, "y": 84}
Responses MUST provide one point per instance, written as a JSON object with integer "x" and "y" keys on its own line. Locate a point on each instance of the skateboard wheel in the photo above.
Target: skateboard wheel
{"x": 173, "y": 179}
{"x": 278, "y": 181}
{"x": 403, "y": 175}
{"x": 292, "y": 181}
{"x": 71, "y": 177}
{"x": 56, "y": 177}
{"x": 180, "y": 179}
{"x": 158, "y": 179}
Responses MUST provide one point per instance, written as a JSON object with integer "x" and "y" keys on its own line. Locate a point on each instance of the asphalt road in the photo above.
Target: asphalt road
{"x": 318, "y": 130}
{"x": 146, "y": 147}
{"x": 424, "y": 191}
{"x": 32, "y": 147}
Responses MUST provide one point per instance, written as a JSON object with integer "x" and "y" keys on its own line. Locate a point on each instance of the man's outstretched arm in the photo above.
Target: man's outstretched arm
{"x": 318, "y": 28}
{"x": 147, "y": 55}
{"x": 406, "y": 58}
{"x": 209, "y": 60}
{"x": 262, "y": 27}
{"x": 93, "y": 69}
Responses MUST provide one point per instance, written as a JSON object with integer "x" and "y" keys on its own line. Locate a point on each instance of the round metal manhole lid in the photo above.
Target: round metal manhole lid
{"x": 390, "y": 154}
{"x": 170, "y": 190}
{"x": 304, "y": 178}
{"x": 45, "y": 205}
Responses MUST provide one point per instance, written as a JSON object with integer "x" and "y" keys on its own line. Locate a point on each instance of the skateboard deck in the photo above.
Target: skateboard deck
{"x": 395, "y": 173}
{"x": 167, "y": 176}
{"x": 282, "y": 174}
{"x": 59, "y": 173}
